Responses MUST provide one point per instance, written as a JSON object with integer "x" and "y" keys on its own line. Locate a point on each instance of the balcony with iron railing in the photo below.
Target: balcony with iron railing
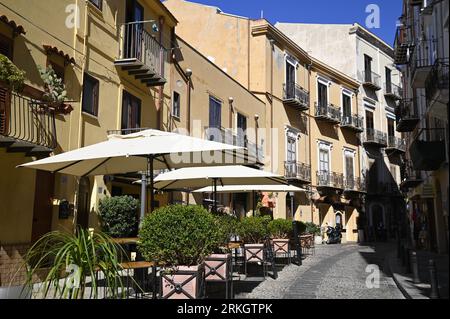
{"x": 407, "y": 116}
{"x": 141, "y": 55}
{"x": 325, "y": 179}
{"x": 410, "y": 178}
{"x": 428, "y": 149}
{"x": 437, "y": 84}
{"x": 371, "y": 80}
{"x": 327, "y": 113}
{"x": 375, "y": 138}
{"x": 296, "y": 171}
{"x": 354, "y": 185}
{"x": 393, "y": 91}
{"x": 395, "y": 145}
{"x": 26, "y": 125}
{"x": 422, "y": 59}
{"x": 353, "y": 122}
{"x": 225, "y": 135}
{"x": 295, "y": 96}
{"x": 401, "y": 46}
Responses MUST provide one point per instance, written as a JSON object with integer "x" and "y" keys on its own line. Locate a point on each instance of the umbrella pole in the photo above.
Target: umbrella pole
{"x": 215, "y": 195}
{"x": 150, "y": 172}
{"x": 143, "y": 197}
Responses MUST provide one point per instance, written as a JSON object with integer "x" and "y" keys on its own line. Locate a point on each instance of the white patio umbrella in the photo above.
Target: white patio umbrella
{"x": 147, "y": 150}
{"x": 197, "y": 177}
{"x": 250, "y": 189}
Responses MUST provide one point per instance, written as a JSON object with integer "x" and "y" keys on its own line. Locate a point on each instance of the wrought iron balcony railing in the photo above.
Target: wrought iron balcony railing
{"x": 375, "y": 137}
{"x": 401, "y": 46}
{"x": 428, "y": 149}
{"x": 141, "y": 54}
{"x": 407, "y": 116}
{"x": 23, "y": 119}
{"x": 295, "y": 95}
{"x": 329, "y": 112}
{"x": 395, "y": 143}
{"x": 437, "y": 80}
{"x": 354, "y": 122}
{"x": 330, "y": 179}
{"x": 297, "y": 171}
{"x": 354, "y": 184}
{"x": 422, "y": 59}
{"x": 392, "y": 90}
{"x": 371, "y": 79}
{"x": 410, "y": 178}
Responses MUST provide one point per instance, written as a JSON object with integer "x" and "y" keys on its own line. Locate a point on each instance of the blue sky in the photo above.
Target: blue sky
{"x": 316, "y": 11}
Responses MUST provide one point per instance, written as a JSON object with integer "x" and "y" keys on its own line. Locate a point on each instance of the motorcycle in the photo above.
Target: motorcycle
{"x": 334, "y": 235}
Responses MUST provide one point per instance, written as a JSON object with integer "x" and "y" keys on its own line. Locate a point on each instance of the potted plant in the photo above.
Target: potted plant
{"x": 179, "y": 238}
{"x": 314, "y": 229}
{"x": 253, "y": 231}
{"x": 118, "y": 216}
{"x": 69, "y": 263}
{"x": 10, "y": 75}
{"x": 280, "y": 231}
{"x": 55, "y": 91}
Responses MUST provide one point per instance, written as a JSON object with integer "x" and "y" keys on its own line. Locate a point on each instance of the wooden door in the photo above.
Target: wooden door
{"x": 42, "y": 213}
{"x": 5, "y": 100}
{"x": 84, "y": 192}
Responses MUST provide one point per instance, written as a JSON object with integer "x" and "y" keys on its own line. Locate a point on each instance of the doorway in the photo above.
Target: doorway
{"x": 84, "y": 192}
{"x": 43, "y": 206}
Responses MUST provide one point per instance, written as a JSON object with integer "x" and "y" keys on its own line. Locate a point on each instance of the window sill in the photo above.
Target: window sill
{"x": 177, "y": 118}
{"x": 89, "y": 115}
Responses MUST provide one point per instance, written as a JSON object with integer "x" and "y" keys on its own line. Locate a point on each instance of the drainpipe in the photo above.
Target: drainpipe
{"x": 83, "y": 68}
{"x": 161, "y": 67}
{"x": 310, "y": 141}
{"x": 272, "y": 48}
{"x": 188, "y": 98}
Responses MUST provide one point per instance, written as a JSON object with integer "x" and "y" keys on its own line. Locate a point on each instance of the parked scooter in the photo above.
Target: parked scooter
{"x": 334, "y": 235}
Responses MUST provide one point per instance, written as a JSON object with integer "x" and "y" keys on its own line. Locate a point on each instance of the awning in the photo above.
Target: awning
{"x": 17, "y": 29}
{"x": 54, "y": 50}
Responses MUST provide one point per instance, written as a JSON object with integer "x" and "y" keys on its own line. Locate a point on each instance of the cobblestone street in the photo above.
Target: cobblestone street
{"x": 334, "y": 271}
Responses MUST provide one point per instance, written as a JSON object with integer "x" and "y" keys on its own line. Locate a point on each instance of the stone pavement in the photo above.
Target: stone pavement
{"x": 336, "y": 272}
{"x": 421, "y": 290}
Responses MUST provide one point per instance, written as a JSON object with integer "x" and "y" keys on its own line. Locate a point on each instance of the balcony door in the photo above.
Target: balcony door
{"x": 369, "y": 121}
{"x": 324, "y": 166}
{"x": 367, "y": 68}
{"x": 291, "y": 150}
{"x": 290, "y": 80}
{"x": 215, "y": 119}
{"x": 347, "y": 107}
{"x": 322, "y": 95}
{"x": 241, "y": 130}
{"x": 5, "y": 102}
{"x": 388, "y": 74}
{"x": 131, "y": 111}
{"x": 391, "y": 127}
{"x": 349, "y": 168}
{"x": 133, "y": 31}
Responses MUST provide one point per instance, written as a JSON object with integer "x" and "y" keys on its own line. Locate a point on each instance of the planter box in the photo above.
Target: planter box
{"x": 280, "y": 246}
{"x": 254, "y": 253}
{"x": 183, "y": 282}
{"x": 318, "y": 240}
{"x": 218, "y": 267}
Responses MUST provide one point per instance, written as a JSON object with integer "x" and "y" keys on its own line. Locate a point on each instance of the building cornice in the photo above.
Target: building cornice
{"x": 372, "y": 38}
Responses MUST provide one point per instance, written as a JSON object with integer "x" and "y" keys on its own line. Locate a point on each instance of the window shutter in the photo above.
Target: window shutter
{"x": 5, "y": 100}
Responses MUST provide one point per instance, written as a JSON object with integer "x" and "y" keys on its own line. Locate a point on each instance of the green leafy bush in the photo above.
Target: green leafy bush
{"x": 227, "y": 227}
{"x": 10, "y": 74}
{"x": 312, "y": 228}
{"x": 55, "y": 90}
{"x": 118, "y": 215}
{"x": 253, "y": 230}
{"x": 179, "y": 235}
{"x": 280, "y": 228}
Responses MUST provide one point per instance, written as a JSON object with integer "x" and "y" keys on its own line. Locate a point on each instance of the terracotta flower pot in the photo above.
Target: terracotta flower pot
{"x": 218, "y": 267}
{"x": 280, "y": 246}
{"x": 183, "y": 282}
{"x": 254, "y": 253}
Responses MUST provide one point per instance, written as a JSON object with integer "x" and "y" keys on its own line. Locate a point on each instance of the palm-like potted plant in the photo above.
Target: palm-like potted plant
{"x": 69, "y": 263}
{"x": 315, "y": 230}
{"x": 179, "y": 238}
{"x": 280, "y": 231}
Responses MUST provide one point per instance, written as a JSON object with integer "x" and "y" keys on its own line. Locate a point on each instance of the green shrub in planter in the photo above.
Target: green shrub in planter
{"x": 10, "y": 74}
{"x": 227, "y": 227}
{"x": 179, "y": 235}
{"x": 118, "y": 216}
{"x": 280, "y": 228}
{"x": 312, "y": 228}
{"x": 253, "y": 230}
